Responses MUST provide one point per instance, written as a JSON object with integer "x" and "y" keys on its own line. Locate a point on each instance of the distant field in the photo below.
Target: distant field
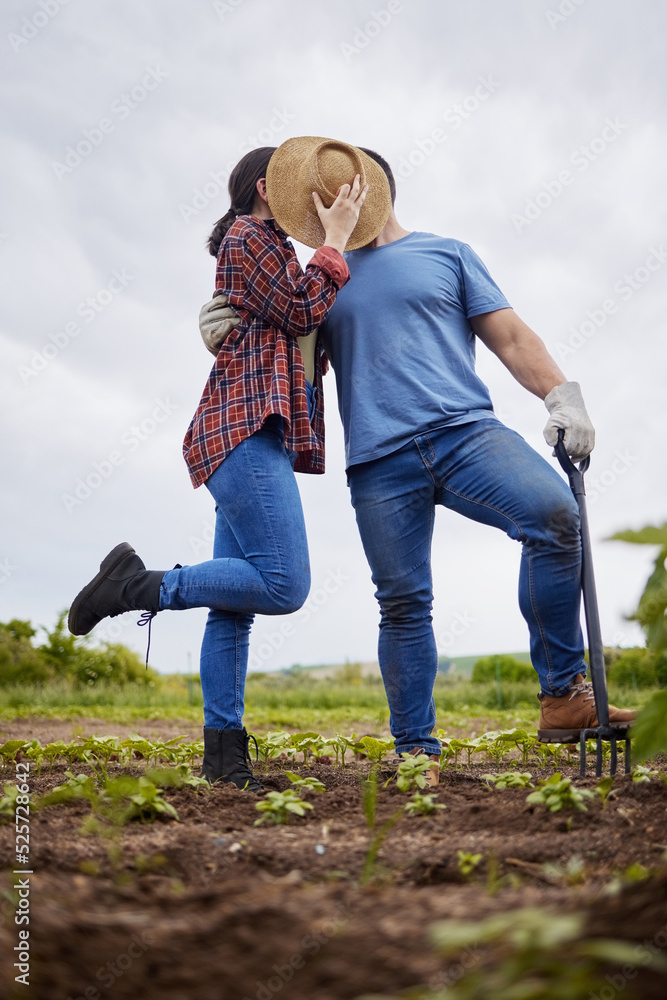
{"x": 343, "y": 703}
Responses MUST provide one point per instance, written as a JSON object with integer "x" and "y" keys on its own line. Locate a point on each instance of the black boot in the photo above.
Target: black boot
{"x": 226, "y": 758}
{"x": 122, "y": 584}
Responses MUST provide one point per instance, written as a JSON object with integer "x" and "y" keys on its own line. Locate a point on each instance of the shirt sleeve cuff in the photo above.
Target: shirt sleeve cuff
{"x": 332, "y": 263}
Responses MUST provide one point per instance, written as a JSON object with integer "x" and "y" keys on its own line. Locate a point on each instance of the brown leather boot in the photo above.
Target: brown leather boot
{"x": 564, "y": 718}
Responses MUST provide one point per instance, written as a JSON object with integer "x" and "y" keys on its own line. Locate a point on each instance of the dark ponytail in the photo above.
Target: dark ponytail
{"x": 242, "y": 189}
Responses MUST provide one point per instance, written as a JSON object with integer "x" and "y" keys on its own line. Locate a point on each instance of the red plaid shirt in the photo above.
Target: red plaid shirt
{"x": 259, "y": 370}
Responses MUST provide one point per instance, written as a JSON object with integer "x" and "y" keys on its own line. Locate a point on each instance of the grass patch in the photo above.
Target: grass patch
{"x": 296, "y": 702}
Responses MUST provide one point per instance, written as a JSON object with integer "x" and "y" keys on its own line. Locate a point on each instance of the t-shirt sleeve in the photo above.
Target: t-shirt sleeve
{"x": 480, "y": 292}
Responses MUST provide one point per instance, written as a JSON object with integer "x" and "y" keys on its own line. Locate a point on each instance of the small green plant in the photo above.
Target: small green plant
{"x": 642, "y": 774}
{"x": 147, "y": 803}
{"x": 8, "y": 803}
{"x": 558, "y": 793}
{"x": 411, "y": 773}
{"x": 9, "y": 750}
{"x": 117, "y": 800}
{"x": 179, "y": 776}
{"x": 79, "y": 786}
{"x": 605, "y": 789}
{"x": 277, "y": 807}
{"x": 571, "y": 873}
{"x": 510, "y": 779}
{"x": 374, "y": 749}
{"x": 306, "y": 743}
{"x": 467, "y": 862}
{"x": 309, "y": 784}
{"x": 532, "y": 954}
{"x": 423, "y": 805}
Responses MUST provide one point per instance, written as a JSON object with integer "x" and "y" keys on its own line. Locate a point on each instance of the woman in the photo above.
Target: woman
{"x": 258, "y": 419}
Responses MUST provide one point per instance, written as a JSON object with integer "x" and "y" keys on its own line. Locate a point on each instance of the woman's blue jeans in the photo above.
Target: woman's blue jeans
{"x": 260, "y": 565}
{"x": 486, "y": 472}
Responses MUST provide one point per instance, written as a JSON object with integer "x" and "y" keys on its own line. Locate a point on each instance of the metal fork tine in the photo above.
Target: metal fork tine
{"x": 582, "y": 754}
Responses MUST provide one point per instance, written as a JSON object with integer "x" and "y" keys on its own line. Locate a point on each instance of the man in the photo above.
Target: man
{"x": 420, "y": 431}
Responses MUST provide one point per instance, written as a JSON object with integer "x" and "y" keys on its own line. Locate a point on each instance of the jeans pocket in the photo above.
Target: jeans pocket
{"x": 426, "y": 449}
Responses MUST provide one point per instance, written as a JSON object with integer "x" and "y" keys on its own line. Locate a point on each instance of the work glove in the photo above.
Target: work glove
{"x": 566, "y": 409}
{"x": 216, "y": 322}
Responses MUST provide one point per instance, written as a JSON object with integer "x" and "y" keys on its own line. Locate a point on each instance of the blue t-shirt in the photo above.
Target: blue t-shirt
{"x": 399, "y": 340}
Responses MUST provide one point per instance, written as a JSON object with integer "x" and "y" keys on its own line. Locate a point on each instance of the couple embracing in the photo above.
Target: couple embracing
{"x": 397, "y": 313}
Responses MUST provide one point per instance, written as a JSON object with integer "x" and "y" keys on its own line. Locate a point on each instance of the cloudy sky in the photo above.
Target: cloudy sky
{"x": 533, "y": 130}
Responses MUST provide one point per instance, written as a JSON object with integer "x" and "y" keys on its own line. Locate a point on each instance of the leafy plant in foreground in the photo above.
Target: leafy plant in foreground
{"x": 650, "y": 729}
{"x": 8, "y": 803}
{"x": 277, "y": 807}
{"x": 558, "y": 793}
{"x": 467, "y": 862}
{"x": 147, "y": 803}
{"x": 510, "y": 779}
{"x": 423, "y": 805}
{"x": 531, "y": 954}
{"x": 411, "y": 772}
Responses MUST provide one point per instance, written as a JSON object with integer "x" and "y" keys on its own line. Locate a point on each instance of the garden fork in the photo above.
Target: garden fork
{"x": 603, "y": 731}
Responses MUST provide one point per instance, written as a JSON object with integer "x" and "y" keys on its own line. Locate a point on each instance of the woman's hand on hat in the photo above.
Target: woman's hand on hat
{"x": 340, "y": 219}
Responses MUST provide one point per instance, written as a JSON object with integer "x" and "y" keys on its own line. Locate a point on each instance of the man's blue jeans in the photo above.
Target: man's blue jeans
{"x": 260, "y": 565}
{"x": 486, "y": 472}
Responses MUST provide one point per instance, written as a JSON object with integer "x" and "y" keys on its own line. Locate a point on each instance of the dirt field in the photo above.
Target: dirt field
{"x": 213, "y": 907}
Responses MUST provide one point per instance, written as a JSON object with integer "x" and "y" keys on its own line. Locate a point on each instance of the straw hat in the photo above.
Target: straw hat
{"x": 310, "y": 163}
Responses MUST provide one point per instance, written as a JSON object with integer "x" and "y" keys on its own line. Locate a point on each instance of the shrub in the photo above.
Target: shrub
{"x": 20, "y": 662}
{"x": 510, "y": 669}
{"x": 65, "y": 657}
{"x": 634, "y": 668}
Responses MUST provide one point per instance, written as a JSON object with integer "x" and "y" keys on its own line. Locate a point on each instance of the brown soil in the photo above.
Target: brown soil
{"x": 214, "y": 907}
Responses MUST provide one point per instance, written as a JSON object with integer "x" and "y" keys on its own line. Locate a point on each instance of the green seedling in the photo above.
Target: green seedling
{"x": 9, "y": 750}
{"x": 374, "y": 749}
{"x": 558, "y": 793}
{"x": 532, "y": 953}
{"x": 148, "y": 804}
{"x": 273, "y": 745}
{"x": 98, "y": 752}
{"x": 52, "y": 751}
{"x": 641, "y": 774}
{"x": 8, "y": 803}
{"x": 467, "y": 862}
{"x": 341, "y": 744}
{"x": 176, "y": 777}
{"x": 572, "y": 873}
{"x": 605, "y": 789}
{"x": 423, "y": 805}
{"x": 510, "y": 779}
{"x": 80, "y": 786}
{"x": 411, "y": 773}
{"x": 309, "y": 784}
{"x": 305, "y": 743}
{"x": 277, "y": 807}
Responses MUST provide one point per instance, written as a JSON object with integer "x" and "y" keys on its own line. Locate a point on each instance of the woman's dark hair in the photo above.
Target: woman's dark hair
{"x": 242, "y": 189}
{"x": 385, "y": 166}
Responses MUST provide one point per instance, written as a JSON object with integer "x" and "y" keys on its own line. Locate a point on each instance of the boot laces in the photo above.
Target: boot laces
{"x": 145, "y": 619}
{"x": 248, "y": 737}
{"x": 583, "y": 687}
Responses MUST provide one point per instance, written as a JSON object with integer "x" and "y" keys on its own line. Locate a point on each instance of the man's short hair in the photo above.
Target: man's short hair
{"x": 385, "y": 166}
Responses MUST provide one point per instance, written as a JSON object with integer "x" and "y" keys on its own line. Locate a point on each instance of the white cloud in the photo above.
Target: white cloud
{"x": 224, "y": 80}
